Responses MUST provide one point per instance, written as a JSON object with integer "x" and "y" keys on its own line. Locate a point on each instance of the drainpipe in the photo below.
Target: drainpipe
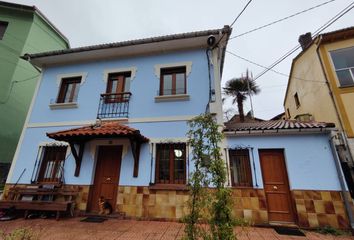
{"x": 342, "y": 184}
{"x": 333, "y": 100}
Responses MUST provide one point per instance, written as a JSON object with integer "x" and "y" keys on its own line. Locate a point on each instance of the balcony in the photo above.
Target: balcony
{"x": 114, "y": 105}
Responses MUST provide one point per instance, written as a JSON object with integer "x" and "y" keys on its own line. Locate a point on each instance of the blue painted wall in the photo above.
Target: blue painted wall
{"x": 308, "y": 158}
{"x": 35, "y": 136}
{"x": 144, "y": 88}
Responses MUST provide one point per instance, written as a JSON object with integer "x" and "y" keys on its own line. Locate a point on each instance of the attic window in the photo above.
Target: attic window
{"x": 3, "y": 26}
{"x": 297, "y": 101}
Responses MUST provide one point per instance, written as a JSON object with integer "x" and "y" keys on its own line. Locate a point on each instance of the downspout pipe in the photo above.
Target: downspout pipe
{"x": 341, "y": 179}
{"x": 332, "y": 98}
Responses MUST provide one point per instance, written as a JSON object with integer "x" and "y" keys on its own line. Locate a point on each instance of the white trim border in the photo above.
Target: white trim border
{"x": 69, "y": 75}
{"x": 133, "y": 71}
{"x": 158, "y": 67}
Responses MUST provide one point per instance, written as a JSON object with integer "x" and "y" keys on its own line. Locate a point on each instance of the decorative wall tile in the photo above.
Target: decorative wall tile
{"x": 322, "y": 208}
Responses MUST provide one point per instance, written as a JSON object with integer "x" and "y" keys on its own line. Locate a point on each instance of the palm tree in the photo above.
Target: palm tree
{"x": 239, "y": 88}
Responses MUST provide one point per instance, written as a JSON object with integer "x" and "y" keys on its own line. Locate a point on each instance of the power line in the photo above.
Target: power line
{"x": 323, "y": 27}
{"x": 280, "y": 73}
{"x": 282, "y": 19}
{"x": 239, "y": 15}
{"x": 12, "y": 85}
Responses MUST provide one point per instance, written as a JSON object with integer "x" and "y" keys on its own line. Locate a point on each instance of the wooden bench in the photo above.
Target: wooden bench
{"x": 41, "y": 199}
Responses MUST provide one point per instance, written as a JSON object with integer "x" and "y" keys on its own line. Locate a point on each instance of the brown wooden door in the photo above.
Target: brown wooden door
{"x": 106, "y": 176}
{"x": 276, "y": 186}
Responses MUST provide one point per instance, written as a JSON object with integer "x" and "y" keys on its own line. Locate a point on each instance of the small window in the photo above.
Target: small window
{"x": 171, "y": 163}
{"x": 241, "y": 175}
{"x": 51, "y": 167}
{"x": 3, "y": 27}
{"x": 297, "y": 101}
{"x": 173, "y": 81}
{"x": 343, "y": 61}
{"x": 118, "y": 87}
{"x": 69, "y": 90}
{"x": 288, "y": 111}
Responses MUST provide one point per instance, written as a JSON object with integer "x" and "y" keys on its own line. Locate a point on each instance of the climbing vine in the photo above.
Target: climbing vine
{"x": 212, "y": 206}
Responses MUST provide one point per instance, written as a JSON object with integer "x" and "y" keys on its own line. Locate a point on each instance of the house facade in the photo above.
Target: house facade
{"x": 321, "y": 88}
{"x": 22, "y": 29}
{"x": 286, "y": 171}
{"x": 112, "y": 120}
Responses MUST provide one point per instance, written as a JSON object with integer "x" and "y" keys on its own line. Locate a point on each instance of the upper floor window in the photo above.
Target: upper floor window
{"x": 51, "y": 167}
{"x": 241, "y": 174}
{"x": 343, "y": 61}
{"x": 171, "y": 163}
{"x": 3, "y": 27}
{"x": 173, "y": 81}
{"x": 117, "y": 85}
{"x": 69, "y": 90}
{"x": 297, "y": 100}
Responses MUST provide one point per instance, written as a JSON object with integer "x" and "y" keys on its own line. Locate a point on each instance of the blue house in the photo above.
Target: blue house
{"x": 117, "y": 113}
{"x": 111, "y": 120}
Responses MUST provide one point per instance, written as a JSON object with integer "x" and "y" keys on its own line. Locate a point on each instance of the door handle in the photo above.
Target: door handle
{"x": 275, "y": 187}
{"x": 108, "y": 179}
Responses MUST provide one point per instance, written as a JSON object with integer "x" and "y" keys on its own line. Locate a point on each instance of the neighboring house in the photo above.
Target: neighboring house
{"x": 286, "y": 172}
{"x": 22, "y": 29}
{"x": 321, "y": 88}
{"x": 111, "y": 119}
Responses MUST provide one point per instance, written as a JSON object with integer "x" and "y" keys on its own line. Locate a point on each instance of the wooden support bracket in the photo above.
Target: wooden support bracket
{"x": 135, "y": 145}
{"x": 78, "y": 157}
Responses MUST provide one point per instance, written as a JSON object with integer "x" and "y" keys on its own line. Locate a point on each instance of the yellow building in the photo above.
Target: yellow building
{"x": 321, "y": 85}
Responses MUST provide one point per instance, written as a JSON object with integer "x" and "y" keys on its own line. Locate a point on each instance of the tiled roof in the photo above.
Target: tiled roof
{"x": 104, "y": 129}
{"x": 276, "y": 125}
{"x": 226, "y": 30}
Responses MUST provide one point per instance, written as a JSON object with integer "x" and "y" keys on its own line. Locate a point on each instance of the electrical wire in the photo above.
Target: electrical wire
{"x": 239, "y": 15}
{"x": 282, "y": 19}
{"x": 12, "y": 85}
{"x": 277, "y": 72}
{"x": 316, "y": 33}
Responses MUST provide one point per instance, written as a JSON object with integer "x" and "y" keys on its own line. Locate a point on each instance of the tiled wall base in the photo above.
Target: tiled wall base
{"x": 251, "y": 205}
{"x": 314, "y": 208}
{"x": 320, "y": 208}
{"x": 145, "y": 203}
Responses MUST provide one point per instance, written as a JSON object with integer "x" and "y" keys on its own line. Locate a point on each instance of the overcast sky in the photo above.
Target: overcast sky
{"x": 88, "y": 22}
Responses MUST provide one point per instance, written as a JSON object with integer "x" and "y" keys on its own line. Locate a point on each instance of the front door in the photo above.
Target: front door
{"x": 276, "y": 186}
{"x": 106, "y": 176}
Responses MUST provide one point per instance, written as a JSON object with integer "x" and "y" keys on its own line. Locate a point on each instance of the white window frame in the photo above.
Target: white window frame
{"x": 347, "y": 68}
{"x": 176, "y": 97}
{"x": 53, "y": 103}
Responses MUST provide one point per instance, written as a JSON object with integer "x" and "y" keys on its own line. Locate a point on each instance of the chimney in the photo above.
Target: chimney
{"x": 305, "y": 40}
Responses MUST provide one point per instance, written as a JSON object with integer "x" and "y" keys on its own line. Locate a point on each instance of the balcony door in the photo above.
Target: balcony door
{"x": 116, "y": 86}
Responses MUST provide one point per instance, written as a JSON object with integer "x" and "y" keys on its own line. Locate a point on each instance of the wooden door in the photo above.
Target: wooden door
{"x": 276, "y": 186}
{"x": 106, "y": 176}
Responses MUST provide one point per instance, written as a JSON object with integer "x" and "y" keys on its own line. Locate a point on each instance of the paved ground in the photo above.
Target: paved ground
{"x": 73, "y": 229}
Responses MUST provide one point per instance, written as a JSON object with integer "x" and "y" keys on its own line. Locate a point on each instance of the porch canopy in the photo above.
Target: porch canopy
{"x": 107, "y": 129}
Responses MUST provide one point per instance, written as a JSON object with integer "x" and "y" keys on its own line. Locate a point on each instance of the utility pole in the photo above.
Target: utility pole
{"x": 249, "y": 91}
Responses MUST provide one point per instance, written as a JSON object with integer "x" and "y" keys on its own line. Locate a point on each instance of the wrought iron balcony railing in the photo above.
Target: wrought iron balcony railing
{"x": 114, "y": 105}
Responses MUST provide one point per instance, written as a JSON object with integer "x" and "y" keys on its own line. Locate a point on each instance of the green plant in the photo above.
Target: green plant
{"x": 330, "y": 230}
{"x": 208, "y": 206}
{"x": 19, "y": 234}
{"x": 239, "y": 88}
